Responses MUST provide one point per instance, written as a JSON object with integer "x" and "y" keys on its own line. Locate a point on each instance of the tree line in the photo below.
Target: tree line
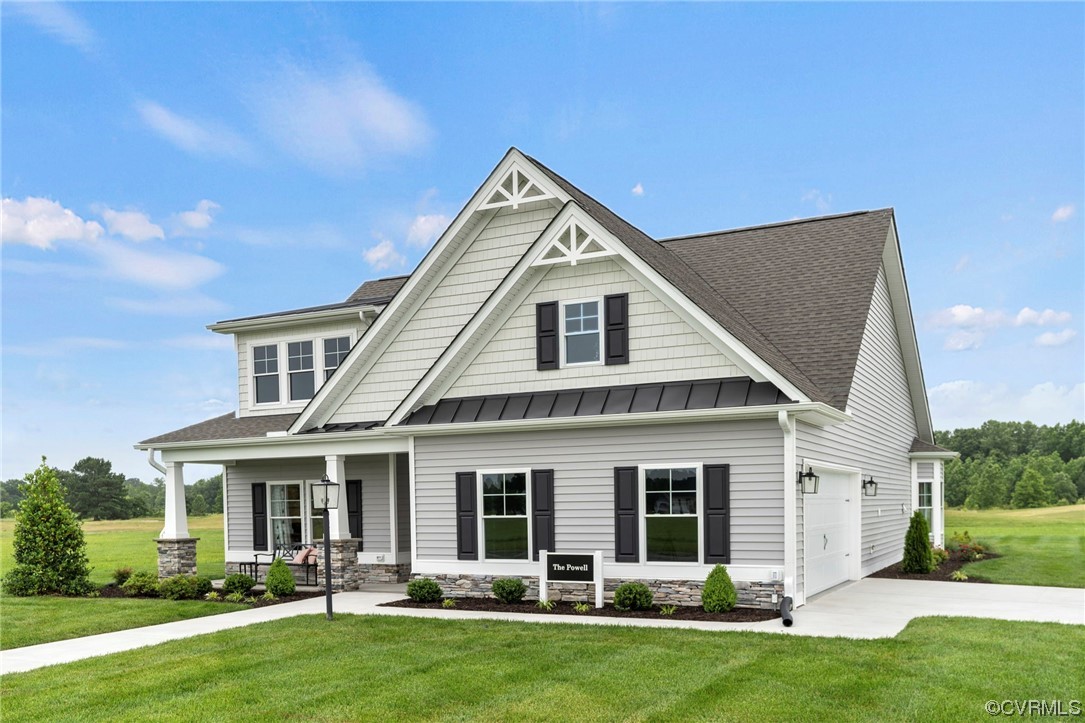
{"x": 95, "y": 492}
{"x": 1015, "y": 464}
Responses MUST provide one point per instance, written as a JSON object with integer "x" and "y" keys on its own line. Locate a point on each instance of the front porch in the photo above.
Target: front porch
{"x": 267, "y": 503}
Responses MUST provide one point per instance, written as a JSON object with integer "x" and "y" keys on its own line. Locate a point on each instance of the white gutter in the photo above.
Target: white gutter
{"x": 153, "y": 462}
{"x": 309, "y": 317}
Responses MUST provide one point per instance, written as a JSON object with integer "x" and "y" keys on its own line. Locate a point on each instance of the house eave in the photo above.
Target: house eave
{"x": 305, "y": 317}
{"x": 934, "y": 455}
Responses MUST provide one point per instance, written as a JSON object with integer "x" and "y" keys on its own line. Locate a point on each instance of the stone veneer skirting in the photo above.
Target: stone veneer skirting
{"x": 176, "y": 557}
{"x": 347, "y": 572}
{"x": 665, "y": 592}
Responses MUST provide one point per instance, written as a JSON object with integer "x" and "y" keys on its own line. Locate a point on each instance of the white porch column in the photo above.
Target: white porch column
{"x": 176, "y": 513}
{"x": 338, "y": 523}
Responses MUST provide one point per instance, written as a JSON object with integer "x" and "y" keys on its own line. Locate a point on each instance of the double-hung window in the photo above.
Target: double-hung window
{"x": 286, "y": 514}
{"x": 671, "y": 514}
{"x": 581, "y": 332}
{"x": 335, "y": 351}
{"x": 265, "y": 370}
{"x": 300, "y": 366}
{"x": 504, "y": 515}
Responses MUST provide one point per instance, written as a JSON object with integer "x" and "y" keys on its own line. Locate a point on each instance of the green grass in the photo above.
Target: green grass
{"x": 378, "y": 668}
{"x": 119, "y": 543}
{"x": 35, "y": 620}
{"x": 1039, "y": 547}
{"x": 110, "y": 544}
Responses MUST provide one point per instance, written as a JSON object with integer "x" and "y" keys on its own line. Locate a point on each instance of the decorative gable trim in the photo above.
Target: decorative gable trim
{"x": 515, "y": 188}
{"x": 525, "y": 275}
{"x": 470, "y": 221}
{"x": 572, "y": 244}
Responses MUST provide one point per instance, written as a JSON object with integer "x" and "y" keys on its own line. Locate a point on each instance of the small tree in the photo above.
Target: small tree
{"x": 917, "y": 546}
{"x": 50, "y": 552}
{"x": 279, "y": 580}
{"x": 719, "y": 594}
{"x": 1029, "y": 492}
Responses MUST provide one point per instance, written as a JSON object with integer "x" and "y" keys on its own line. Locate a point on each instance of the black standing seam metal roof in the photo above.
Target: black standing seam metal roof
{"x": 626, "y": 399}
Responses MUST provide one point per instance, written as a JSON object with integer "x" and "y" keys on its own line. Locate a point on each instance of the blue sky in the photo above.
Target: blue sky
{"x": 165, "y": 166}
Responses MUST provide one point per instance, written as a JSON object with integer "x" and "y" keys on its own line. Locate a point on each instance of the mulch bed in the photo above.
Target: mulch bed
{"x": 114, "y": 591}
{"x": 738, "y": 615}
{"x": 942, "y": 573}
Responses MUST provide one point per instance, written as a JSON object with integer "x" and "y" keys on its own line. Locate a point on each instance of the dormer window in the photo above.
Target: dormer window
{"x": 265, "y": 369}
{"x": 335, "y": 351}
{"x": 581, "y": 332}
{"x": 302, "y": 375}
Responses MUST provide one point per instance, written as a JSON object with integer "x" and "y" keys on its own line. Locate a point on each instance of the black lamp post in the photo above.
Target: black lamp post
{"x": 326, "y": 497}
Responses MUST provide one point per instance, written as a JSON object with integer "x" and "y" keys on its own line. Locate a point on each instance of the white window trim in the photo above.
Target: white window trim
{"x": 482, "y": 514}
{"x": 599, "y": 332}
{"x": 643, "y": 514}
{"x": 311, "y": 369}
{"x": 281, "y": 344}
{"x": 323, "y": 356}
{"x": 306, "y": 506}
{"x": 253, "y": 376}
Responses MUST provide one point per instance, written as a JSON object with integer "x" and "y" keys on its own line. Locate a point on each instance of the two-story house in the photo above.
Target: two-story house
{"x": 551, "y": 378}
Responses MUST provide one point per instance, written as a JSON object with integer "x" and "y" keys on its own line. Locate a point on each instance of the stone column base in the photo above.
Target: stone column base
{"x": 346, "y": 572}
{"x": 176, "y": 557}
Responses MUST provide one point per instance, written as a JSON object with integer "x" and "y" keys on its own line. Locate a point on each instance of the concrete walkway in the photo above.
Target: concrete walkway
{"x": 869, "y": 608}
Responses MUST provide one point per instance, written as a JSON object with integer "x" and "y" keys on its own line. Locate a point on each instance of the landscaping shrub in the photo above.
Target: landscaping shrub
{"x": 202, "y": 586}
{"x": 917, "y": 546}
{"x": 235, "y": 597}
{"x": 632, "y": 596}
{"x": 509, "y": 590}
{"x": 424, "y": 590}
{"x": 279, "y": 581}
{"x": 121, "y": 575}
{"x": 178, "y": 587}
{"x": 50, "y": 551}
{"x": 939, "y": 556}
{"x": 238, "y": 583}
{"x": 141, "y": 584}
{"x": 719, "y": 595}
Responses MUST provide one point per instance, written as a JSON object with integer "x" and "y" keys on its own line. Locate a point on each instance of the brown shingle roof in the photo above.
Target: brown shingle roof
{"x": 226, "y": 427}
{"x": 378, "y": 291}
{"x": 918, "y": 445}
{"x": 806, "y": 285}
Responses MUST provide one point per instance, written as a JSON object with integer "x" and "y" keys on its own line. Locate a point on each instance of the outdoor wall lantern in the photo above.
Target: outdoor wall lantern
{"x": 870, "y": 487}
{"x": 326, "y": 498}
{"x": 809, "y": 482}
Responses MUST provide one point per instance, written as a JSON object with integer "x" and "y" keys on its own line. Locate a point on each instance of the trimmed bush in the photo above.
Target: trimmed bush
{"x": 49, "y": 548}
{"x": 141, "y": 584}
{"x": 917, "y": 547}
{"x": 178, "y": 587}
{"x": 632, "y": 596}
{"x": 424, "y": 590}
{"x": 279, "y": 580}
{"x": 121, "y": 575}
{"x": 202, "y": 585}
{"x": 238, "y": 583}
{"x": 719, "y": 595}
{"x": 509, "y": 590}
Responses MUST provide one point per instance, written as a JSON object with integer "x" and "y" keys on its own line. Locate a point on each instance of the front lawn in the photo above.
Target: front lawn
{"x": 383, "y": 668}
{"x": 1039, "y": 547}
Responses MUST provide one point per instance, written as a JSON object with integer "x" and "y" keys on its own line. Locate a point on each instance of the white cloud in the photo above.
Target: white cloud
{"x": 637, "y": 190}
{"x": 194, "y": 136}
{"x": 134, "y": 225}
{"x": 965, "y": 403}
{"x": 166, "y": 270}
{"x": 1047, "y": 317}
{"x": 384, "y": 256}
{"x": 822, "y": 201}
{"x": 199, "y": 219}
{"x": 190, "y": 304}
{"x": 962, "y": 263}
{"x": 426, "y": 228}
{"x": 1063, "y": 213}
{"x": 1055, "y": 338}
{"x": 40, "y": 222}
{"x": 963, "y": 340}
{"x": 338, "y": 121}
{"x": 59, "y": 21}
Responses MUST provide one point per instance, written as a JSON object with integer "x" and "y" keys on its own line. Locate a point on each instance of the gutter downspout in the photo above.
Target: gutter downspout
{"x": 787, "y": 425}
{"x": 154, "y": 462}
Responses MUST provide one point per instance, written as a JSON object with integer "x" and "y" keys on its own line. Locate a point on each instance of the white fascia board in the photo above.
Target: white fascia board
{"x": 288, "y": 319}
{"x": 333, "y": 393}
{"x": 336, "y": 443}
{"x": 817, "y": 410}
{"x": 893, "y": 263}
{"x": 933, "y": 455}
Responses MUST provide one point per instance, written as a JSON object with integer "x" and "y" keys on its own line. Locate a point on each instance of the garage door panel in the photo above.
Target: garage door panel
{"x": 827, "y": 532}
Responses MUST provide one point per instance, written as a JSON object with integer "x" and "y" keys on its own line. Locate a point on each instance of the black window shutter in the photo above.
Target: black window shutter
{"x": 617, "y": 328}
{"x": 626, "y": 512}
{"x": 354, "y": 509}
{"x": 466, "y": 517}
{"x": 542, "y": 503}
{"x": 717, "y": 503}
{"x": 546, "y": 335}
{"x": 259, "y": 515}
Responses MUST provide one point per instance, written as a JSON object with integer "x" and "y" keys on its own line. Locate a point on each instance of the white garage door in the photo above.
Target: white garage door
{"x": 827, "y": 531}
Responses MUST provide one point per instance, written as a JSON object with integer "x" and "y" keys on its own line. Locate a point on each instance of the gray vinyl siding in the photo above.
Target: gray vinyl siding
{"x": 878, "y": 439}
{"x": 373, "y": 471}
{"x": 800, "y": 543}
{"x": 662, "y": 347}
{"x": 403, "y": 504}
{"x": 449, "y": 306}
{"x": 583, "y": 462}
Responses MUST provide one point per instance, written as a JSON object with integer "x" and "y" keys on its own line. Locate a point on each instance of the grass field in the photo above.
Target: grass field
{"x": 377, "y": 668}
{"x": 1044, "y": 546}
